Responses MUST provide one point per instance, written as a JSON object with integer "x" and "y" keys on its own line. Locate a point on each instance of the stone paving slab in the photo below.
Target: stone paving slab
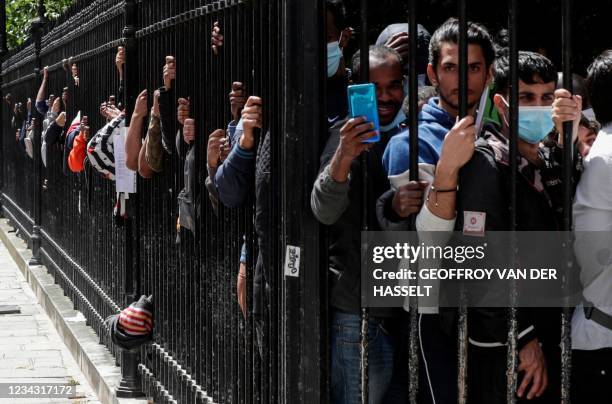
{"x": 31, "y": 351}
{"x": 94, "y": 360}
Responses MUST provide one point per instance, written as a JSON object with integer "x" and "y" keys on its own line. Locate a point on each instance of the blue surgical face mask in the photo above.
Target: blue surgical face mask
{"x": 334, "y": 54}
{"x": 535, "y": 123}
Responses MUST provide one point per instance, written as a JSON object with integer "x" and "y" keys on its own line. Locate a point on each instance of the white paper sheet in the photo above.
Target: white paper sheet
{"x": 125, "y": 178}
{"x": 481, "y": 110}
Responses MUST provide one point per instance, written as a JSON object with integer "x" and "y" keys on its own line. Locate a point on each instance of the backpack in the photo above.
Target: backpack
{"x": 100, "y": 151}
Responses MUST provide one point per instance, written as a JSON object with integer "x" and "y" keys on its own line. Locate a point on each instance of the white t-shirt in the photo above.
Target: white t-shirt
{"x": 593, "y": 245}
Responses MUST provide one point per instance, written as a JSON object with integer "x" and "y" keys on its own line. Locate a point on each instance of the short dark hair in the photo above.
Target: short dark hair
{"x": 531, "y": 67}
{"x": 599, "y": 86}
{"x": 449, "y": 32}
{"x": 338, "y": 12}
{"x": 377, "y": 52}
{"x": 501, "y": 42}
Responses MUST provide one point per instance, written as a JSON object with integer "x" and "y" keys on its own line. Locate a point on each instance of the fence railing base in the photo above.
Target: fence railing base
{"x": 129, "y": 386}
{"x": 36, "y": 240}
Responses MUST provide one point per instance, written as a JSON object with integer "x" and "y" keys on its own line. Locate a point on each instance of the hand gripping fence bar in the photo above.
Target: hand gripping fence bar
{"x": 204, "y": 351}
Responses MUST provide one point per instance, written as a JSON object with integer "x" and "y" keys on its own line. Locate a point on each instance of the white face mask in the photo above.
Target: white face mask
{"x": 334, "y": 55}
{"x": 399, "y": 118}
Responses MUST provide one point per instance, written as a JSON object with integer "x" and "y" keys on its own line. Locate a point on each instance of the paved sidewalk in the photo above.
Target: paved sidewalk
{"x": 31, "y": 351}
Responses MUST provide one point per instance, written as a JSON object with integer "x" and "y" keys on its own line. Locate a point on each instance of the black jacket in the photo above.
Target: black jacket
{"x": 484, "y": 186}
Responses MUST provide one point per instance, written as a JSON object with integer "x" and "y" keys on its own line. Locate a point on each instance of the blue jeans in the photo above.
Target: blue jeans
{"x": 387, "y": 373}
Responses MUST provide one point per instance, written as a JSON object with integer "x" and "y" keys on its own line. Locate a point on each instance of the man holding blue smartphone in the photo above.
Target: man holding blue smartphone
{"x": 337, "y": 201}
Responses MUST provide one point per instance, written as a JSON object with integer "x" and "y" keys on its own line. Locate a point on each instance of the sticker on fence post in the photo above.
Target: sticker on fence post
{"x": 292, "y": 261}
{"x": 124, "y": 177}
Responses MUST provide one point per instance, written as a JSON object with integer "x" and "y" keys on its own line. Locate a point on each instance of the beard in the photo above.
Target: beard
{"x": 455, "y": 105}
{"x": 396, "y": 106}
{"x": 391, "y": 104}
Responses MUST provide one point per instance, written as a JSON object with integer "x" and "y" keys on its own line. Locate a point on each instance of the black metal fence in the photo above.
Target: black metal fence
{"x": 203, "y": 349}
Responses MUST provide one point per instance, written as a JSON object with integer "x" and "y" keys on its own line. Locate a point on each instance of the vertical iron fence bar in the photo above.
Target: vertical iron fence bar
{"x": 183, "y": 256}
{"x": 133, "y": 229}
{"x": 227, "y": 307}
{"x": 302, "y": 124}
{"x": 217, "y": 277}
{"x": 273, "y": 68}
{"x": 323, "y": 262}
{"x": 463, "y": 52}
{"x": 273, "y": 115}
{"x": 568, "y": 151}
{"x": 3, "y": 51}
{"x": 413, "y": 338}
{"x": 364, "y": 70}
{"x": 162, "y": 218}
{"x": 36, "y": 31}
{"x": 130, "y": 385}
{"x": 511, "y": 356}
{"x": 238, "y": 382}
{"x": 251, "y": 352}
{"x": 268, "y": 113}
{"x": 256, "y": 89}
{"x": 462, "y": 342}
{"x": 259, "y": 363}
{"x": 210, "y": 260}
{"x": 206, "y": 239}
{"x": 195, "y": 296}
{"x": 3, "y": 48}
{"x": 196, "y": 263}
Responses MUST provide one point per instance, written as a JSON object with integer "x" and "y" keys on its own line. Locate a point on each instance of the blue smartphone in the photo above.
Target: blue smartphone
{"x": 362, "y": 102}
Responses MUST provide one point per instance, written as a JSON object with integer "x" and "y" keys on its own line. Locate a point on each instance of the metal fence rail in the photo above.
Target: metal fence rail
{"x": 203, "y": 349}
{"x": 361, "y": 7}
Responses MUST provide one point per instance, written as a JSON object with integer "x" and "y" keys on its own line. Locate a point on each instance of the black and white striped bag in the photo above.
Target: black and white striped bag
{"x": 100, "y": 151}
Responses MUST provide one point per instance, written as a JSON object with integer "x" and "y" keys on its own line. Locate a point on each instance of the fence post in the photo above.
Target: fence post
{"x": 304, "y": 361}
{"x": 3, "y": 48}
{"x": 462, "y": 343}
{"x": 512, "y": 348}
{"x": 566, "y": 319}
{"x": 130, "y": 386}
{"x": 3, "y": 51}
{"x": 413, "y": 335}
{"x": 36, "y": 33}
